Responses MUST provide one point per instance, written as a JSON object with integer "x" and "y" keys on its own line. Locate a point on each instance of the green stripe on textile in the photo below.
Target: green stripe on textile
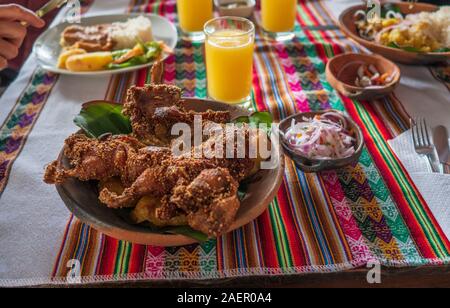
{"x": 126, "y": 258}
{"x": 118, "y": 262}
{"x": 254, "y": 105}
{"x": 279, "y": 232}
{"x": 156, "y": 5}
{"x": 405, "y": 186}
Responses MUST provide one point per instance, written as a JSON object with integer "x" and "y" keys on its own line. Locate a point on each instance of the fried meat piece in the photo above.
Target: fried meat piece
{"x": 160, "y": 180}
{"x": 154, "y": 109}
{"x": 228, "y": 146}
{"x": 157, "y": 181}
{"x": 210, "y": 201}
{"x": 91, "y": 38}
{"x": 93, "y": 159}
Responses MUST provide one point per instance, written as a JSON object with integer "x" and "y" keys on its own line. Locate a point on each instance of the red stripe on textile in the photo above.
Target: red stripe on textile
{"x": 257, "y": 90}
{"x": 219, "y": 254}
{"x": 268, "y": 243}
{"x": 293, "y": 232}
{"x": 381, "y": 127}
{"x": 142, "y": 77}
{"x": 137, "y": 256}
{"x": 108, "y": 257}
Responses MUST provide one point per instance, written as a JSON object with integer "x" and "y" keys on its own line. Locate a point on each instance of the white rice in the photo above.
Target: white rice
{"x": 439, "y": 24}
{"x": 127, "y": 34}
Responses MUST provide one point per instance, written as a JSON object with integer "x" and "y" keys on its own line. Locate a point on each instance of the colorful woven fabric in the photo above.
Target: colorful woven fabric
{"x": 19, "y": 123}
{"x": 323, "y": 222}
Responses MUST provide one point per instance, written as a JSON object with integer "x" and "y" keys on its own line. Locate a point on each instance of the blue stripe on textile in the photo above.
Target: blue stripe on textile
{"x": 82, "y": 243}
{"x": 398, "y": 120}
{"x": 310, "y": 206}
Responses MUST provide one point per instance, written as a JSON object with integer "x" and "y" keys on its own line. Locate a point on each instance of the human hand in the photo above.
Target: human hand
{"x": 14, "y": 20}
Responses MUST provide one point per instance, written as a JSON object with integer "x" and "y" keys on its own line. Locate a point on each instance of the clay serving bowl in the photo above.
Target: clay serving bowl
{"x": 316, "y": 165}
{"x": 81, "y": 198}
{"x": 342, "y": 71}
{"x": 347, "y": 25}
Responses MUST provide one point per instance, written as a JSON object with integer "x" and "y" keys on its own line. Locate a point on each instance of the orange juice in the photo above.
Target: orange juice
{"x": 193, "y": 14}
{"x": 278, "y": 15}
{"x": 229, "y": 63}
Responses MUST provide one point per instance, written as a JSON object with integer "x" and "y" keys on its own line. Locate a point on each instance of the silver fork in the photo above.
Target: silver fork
{"x": 422, "y": 142}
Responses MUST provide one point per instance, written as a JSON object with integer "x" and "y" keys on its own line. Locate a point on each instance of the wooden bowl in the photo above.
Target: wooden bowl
{"x": 347, "y": 24}
{"x": 342, "y": 70}
{"x": 81, "y": 198}
{"x": 316, "y": 165}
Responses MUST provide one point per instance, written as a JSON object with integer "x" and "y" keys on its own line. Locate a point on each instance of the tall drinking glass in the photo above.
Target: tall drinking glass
{"x": 229, "y": 48}
{"x": 193, "y": 14}
{"x": 278, "y": 18}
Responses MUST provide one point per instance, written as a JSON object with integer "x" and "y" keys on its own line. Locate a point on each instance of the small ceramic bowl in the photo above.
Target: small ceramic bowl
{"x": 316, "y": 165}
{"x": 342, "y": 71}
{"x": 240, "y": 8}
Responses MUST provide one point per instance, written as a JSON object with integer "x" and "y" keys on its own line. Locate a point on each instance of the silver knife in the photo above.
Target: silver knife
{"x": 440, "y": 138}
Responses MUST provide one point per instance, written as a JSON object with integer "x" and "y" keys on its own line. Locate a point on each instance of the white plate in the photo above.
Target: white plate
{"x": 47, "y": 47}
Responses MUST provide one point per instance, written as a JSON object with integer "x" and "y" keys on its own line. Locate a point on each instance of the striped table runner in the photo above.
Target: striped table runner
{"x": 330, "y": 221}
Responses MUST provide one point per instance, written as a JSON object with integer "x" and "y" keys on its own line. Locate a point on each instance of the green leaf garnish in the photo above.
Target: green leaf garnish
{"x": 99, "y": 118}
{"x": 445, "y": 49}
{"x": 256, "y": 119}
{"x": 187, "y": 231}
{"x": 410, "y": 49}
{"x": 182, "y": 230}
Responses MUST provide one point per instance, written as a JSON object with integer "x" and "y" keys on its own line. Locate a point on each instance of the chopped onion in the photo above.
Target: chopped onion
{"x": 322, "y": 137}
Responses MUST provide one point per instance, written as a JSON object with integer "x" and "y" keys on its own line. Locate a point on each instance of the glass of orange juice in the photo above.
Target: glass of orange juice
{"x": 229, "y": 48}
{"x": 192, "y": 15}
{"x": 278, "y": 18}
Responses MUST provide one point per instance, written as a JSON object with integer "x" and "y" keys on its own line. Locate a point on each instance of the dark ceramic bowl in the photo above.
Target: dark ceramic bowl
{"x": 316, "y": 165}
{"x": 81, "y": 198}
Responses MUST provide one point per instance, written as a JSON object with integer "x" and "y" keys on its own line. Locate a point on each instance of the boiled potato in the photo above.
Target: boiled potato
{"x": 112, "y": 184}
{"x": 260, "y": 141}
{"x": 93, "y": 61}
{"x": 66, "y": 54}
{"x": 146, "y": 210}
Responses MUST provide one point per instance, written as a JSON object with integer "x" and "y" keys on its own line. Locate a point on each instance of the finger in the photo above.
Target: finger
{"x": 3, "y": 63}
{"x": 13, "y": 31}
{"x": 19, "y": 13}
{"x": 8, "y": 50}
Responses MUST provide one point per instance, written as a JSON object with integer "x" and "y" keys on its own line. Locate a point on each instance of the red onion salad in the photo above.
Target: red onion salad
{"x": 326, "y": 136}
